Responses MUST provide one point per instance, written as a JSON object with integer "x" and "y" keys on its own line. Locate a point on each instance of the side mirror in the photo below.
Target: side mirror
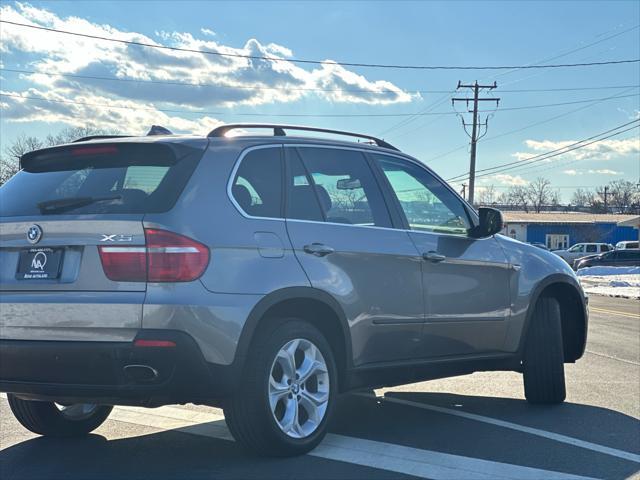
{"x": 490, "y": 223}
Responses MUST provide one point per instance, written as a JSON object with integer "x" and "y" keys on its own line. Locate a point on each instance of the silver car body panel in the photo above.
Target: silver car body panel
{"x": 397, "y": 306}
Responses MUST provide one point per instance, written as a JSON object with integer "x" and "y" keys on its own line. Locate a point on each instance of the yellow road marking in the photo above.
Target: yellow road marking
{"x": 614, "y": 312}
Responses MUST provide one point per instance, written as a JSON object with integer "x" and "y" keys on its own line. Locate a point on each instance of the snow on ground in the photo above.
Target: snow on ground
{"x": 611, "y": 281}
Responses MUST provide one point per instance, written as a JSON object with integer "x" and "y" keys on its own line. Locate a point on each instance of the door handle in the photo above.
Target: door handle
{"x": 433, "y": 257}
{"x": 318, "y": 249}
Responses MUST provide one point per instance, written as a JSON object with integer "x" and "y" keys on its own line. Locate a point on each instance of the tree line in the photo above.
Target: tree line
{"x": 618, "y": 196}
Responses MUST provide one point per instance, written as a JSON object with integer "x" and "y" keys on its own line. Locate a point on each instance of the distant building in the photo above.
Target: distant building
{"x": 561, "y": 230}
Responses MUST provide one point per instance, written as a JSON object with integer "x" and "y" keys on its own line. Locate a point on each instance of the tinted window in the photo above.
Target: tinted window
{"x": 594, "y": 248}
{"x": 302, "y": 201}
{"x": 257, "y": 187}
{"x": 344, "y": 187}
{"x": 99, "y": 179}
{"x": 427, "y": 203}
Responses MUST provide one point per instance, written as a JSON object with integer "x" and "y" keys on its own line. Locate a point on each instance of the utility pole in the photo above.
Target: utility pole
{"x": 464, "y": 190}
{"x": 606, "y": 204}
{"x": 475, "y": 131}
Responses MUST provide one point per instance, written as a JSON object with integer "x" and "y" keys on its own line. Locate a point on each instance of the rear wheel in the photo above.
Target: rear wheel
{"x": 284, "y": 402}
{"x": 544, "y": 355}
{"x": 58, "y": 420}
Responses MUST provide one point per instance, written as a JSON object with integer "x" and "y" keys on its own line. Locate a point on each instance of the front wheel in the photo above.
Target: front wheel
{"x": 544, "y": 355}
{"x": 284, "y": 402}
{"x": 58, "y": 420}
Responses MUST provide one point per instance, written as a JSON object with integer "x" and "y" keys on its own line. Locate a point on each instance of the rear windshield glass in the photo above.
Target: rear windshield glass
{"x": 118, "y": 178}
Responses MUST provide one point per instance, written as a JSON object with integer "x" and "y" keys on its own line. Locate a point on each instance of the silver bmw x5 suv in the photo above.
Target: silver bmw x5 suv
{"x": 264, "y": 274}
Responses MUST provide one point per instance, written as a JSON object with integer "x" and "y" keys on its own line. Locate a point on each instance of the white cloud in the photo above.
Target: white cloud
{"x": 208, "y": 31}
{"x": 605, "y": 171}
{"x": 603, "y": 150}
{"x": 602, "y": 171}
{"x": 125, "y": 116}
{"x": 230, "y": 81}
{"x": 506, "y": 179}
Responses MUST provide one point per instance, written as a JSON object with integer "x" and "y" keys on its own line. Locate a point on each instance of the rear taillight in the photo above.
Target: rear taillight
{"x": 167, "y": 257}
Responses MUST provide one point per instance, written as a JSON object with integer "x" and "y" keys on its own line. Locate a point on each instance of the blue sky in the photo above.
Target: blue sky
{"x": 424, "y": 33}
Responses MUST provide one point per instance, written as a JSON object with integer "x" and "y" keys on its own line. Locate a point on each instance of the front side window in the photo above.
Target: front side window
{"x": 594, "y": 248}
{"x": 427, "y": 203}
{"x": 340, "y": 182}
{"x": 257, "y": 187}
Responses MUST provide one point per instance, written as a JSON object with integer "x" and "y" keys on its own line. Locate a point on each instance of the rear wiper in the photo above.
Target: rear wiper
{"x": 70, "y": 203}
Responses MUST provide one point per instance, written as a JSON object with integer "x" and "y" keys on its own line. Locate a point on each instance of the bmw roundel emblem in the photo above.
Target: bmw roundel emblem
{"x": 34, "y": 234}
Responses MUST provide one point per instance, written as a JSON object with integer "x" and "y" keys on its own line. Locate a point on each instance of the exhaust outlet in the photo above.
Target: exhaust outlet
{"x": 140, "y": 373}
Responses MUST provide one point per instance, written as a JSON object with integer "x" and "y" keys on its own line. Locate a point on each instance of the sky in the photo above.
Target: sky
{"x": 132, "y": 87}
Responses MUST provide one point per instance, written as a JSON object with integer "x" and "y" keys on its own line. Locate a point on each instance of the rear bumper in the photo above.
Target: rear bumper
{"x": 72, "y": 371}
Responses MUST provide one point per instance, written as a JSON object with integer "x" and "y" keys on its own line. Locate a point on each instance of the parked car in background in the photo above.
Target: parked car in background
{"x": 627, "y": 244}
{"x": 580, "y": 250}
{"x": 614, "y": 258}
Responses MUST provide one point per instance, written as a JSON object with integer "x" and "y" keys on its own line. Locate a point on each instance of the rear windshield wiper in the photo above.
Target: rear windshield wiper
{"x": 71, "y": 203}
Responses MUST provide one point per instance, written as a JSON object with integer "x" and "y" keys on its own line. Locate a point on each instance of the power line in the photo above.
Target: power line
{"x": 535, "y": 157}
{"x": 300, "y": 89}
{"x": 552, "y": 153}
{"x": 510, "y": 169}
{"x": 535, "y": 169}
{"x": 526, "y": 127}
{"x": 320, "y": 62}
{"x": 302, "y": 115}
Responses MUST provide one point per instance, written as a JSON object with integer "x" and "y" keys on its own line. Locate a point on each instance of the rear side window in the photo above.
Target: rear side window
{"x": 99, "y": 179}
{"x": 342, "y": 184}
{"x": 594, "y": 248}
{"x": 257, "y": 187}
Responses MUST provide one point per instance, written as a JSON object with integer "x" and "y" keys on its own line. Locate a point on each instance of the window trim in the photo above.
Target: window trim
{"x": 374, "y": 174}
{"x": 375, "y": 168}
{"x": 234, "y": 174}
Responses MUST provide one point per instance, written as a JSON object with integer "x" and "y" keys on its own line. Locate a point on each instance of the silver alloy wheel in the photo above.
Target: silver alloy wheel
{"x": 299, "y": 388}
{"x": 77, "y": 411}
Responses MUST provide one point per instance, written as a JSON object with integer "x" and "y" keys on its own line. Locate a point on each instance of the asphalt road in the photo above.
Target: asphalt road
{"x": 476, "y": 426}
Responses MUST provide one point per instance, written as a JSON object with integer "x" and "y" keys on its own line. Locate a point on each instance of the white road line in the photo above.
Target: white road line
{"x": 631, "y": 362}
{"x": 369, "y": 453}
{"x": 513, "y": 426}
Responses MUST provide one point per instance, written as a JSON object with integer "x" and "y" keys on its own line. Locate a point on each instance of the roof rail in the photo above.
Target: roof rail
{"x": 98, "y": 137}
{"x": 279, "y": 131}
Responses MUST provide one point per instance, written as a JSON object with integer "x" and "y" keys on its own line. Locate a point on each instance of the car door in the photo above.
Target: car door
{"x": 342, "y": 234}
{"x": 575, "y": 252}
{"x": 466, "y": 280}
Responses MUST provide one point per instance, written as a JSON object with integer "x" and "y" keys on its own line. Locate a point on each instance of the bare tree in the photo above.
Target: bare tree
{"x": 539, "y": 193}
{"x": 623, "y": 196}
{"x": 487, "y": 196}
{"x": 516, "y": 196}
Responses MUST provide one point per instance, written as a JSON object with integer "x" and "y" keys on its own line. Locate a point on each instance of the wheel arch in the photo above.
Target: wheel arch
{"x": 307, "y": 303}
{"x": 573, "y": 311}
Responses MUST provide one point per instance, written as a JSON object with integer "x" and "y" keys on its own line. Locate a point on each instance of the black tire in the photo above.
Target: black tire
{"x": 544, "y": 355}
{"x": 248, "y": 413}
{"x": 45, "y": 418}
